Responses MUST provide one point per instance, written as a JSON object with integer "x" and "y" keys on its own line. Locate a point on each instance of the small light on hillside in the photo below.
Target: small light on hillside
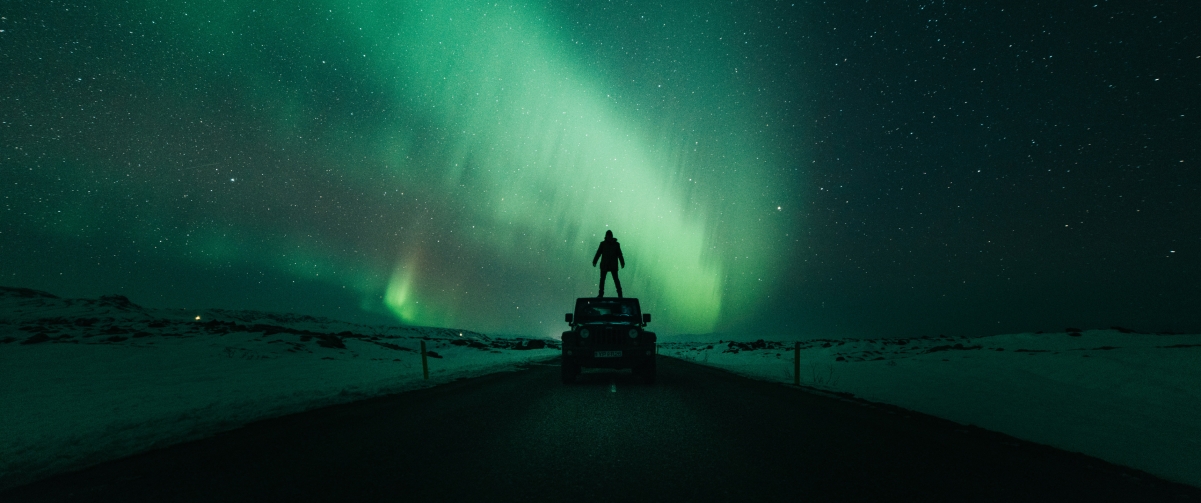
{"x": 197, "y": 318}
{"x": 460, "y": 334}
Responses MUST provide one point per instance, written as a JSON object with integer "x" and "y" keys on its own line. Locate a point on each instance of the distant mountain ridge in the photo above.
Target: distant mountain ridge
{"x": 34, "y": 316}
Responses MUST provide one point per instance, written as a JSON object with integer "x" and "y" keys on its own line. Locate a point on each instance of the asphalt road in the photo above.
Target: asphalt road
{"x": 699, "y": 434}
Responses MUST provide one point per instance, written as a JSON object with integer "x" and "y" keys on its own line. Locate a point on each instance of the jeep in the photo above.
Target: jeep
{"x": 608, "y": 333}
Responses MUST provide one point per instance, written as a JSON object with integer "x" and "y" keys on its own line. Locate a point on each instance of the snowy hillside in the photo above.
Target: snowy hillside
{"x": 87, "y": 380}
{"x": 1128, "y": 398}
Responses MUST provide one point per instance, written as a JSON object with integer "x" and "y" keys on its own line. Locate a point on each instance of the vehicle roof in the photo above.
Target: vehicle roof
{"x": 586, "y": 305}
{"x": 583, "y": 301}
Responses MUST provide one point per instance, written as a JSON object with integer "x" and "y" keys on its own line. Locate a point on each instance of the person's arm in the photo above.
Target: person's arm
{"x": 598, "y": 253}
{"x": 621, "y": 258}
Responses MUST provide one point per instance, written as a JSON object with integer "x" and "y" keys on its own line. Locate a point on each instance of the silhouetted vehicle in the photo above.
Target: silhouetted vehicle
{"x": 608, "y": 333}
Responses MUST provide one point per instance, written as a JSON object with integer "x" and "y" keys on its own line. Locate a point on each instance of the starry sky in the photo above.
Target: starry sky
{"x": 787, "y": 169}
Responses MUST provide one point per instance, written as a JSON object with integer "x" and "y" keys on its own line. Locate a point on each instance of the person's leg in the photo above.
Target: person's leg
{"x": 617, "y": 283}
{"x": 602, "y": 282}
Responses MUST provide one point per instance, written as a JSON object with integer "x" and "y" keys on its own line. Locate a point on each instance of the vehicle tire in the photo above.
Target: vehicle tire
{"x": 569, "y": 372}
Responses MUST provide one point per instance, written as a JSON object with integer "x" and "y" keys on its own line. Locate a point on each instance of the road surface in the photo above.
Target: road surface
{"x": 699, "y": 434}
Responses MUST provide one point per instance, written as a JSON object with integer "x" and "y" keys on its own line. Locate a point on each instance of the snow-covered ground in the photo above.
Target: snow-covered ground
{"x": 88, "y": 380}
{"x": 1128, "y": 398}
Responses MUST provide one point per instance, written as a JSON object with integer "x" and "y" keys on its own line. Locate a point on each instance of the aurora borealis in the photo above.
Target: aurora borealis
{"x": 802, "y": 168}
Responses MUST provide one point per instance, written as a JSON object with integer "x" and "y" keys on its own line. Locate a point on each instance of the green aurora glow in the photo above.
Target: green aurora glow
{"x": 455, "y": 163}
{"x": 538, "y": 146}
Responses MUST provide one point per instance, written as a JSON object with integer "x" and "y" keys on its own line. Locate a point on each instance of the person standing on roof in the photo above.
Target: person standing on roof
{"x": 609, "y": 254}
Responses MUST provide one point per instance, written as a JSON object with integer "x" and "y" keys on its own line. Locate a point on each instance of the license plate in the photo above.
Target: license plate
{"x": 608, "y": 354}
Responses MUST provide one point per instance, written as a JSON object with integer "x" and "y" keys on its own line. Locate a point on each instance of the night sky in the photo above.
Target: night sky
{"x": 772, "y": 169}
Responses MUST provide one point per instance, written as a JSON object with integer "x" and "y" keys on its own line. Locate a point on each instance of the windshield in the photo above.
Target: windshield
{"x": 615, "y": 310}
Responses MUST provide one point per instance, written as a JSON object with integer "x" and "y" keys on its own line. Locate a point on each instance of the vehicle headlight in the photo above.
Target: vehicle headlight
{"x": 633, "y": 333}
{"x": 584, "y": 333}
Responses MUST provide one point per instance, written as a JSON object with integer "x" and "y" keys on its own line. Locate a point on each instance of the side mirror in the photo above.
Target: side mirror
{"x": 567, "y": 317}
{"x": 646, "y": 317}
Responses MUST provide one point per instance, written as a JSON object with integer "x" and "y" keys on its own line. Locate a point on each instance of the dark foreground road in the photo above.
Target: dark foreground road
{"x": 698, "y": 435}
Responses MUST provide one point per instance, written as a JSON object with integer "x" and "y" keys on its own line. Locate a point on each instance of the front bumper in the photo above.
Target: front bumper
{"x": 631, "y": 356}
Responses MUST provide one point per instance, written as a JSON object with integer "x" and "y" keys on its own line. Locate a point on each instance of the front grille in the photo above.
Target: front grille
{"x": 608, "y": 336}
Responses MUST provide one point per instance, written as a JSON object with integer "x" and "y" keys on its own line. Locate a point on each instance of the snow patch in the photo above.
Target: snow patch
{"x": 1127, "y": 398}
{"x": 90, "y": 380}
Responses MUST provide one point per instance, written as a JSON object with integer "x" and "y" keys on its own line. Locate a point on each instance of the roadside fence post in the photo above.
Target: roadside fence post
{"x": 796, "y": 365}
{"x": 425, "y": 366}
